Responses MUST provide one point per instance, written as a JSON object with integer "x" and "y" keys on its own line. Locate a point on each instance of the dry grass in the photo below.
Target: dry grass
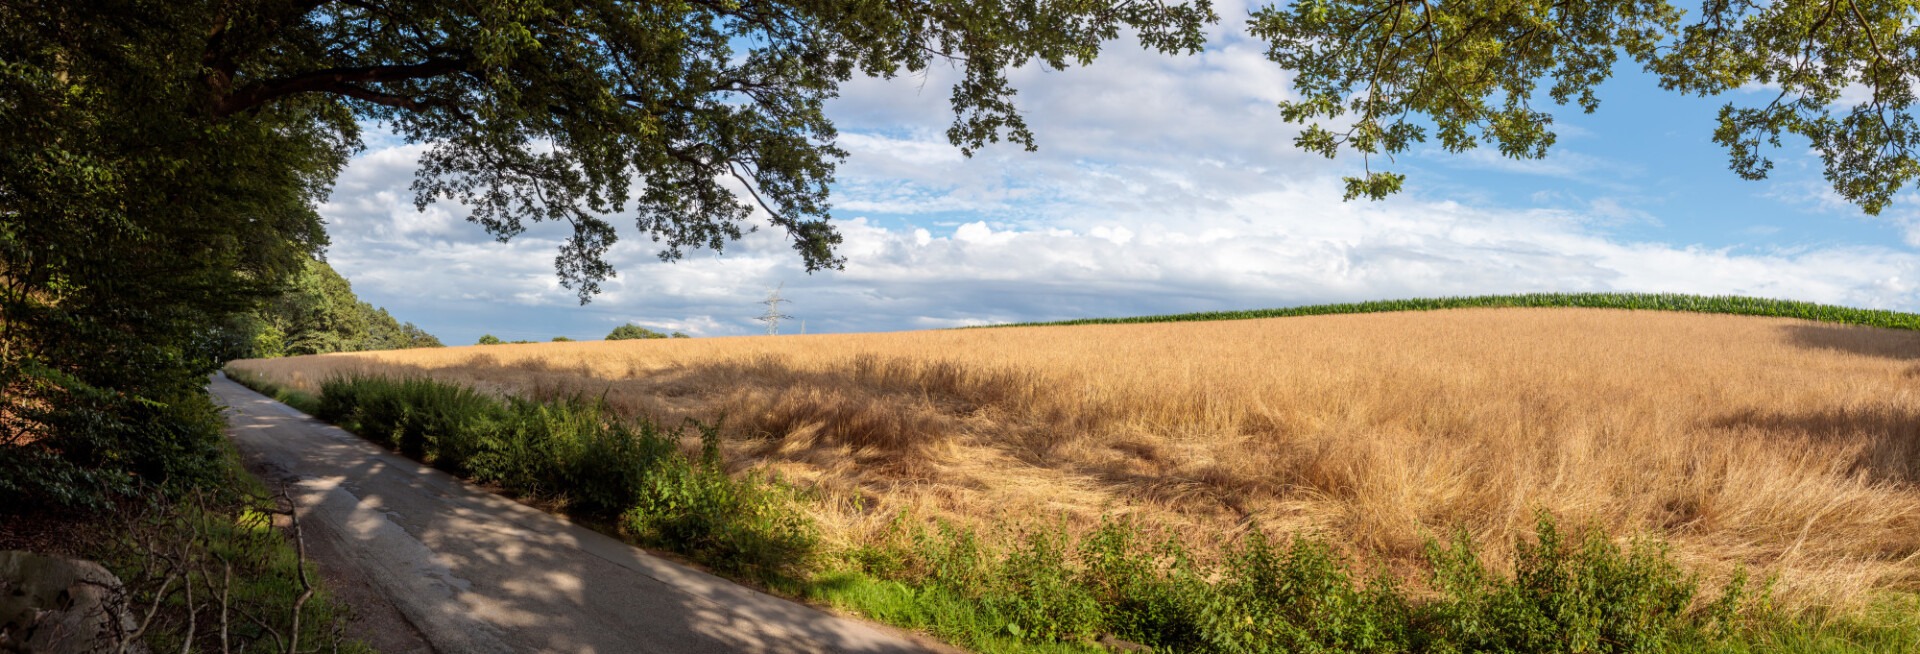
{"x": 1788, "y": 446}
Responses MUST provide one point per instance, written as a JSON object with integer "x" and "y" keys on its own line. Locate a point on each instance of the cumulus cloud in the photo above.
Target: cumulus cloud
{"x": 1162, "y": 184}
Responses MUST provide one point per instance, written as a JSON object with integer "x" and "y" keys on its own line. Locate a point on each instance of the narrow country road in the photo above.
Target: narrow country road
{"x": 470, "y": 571}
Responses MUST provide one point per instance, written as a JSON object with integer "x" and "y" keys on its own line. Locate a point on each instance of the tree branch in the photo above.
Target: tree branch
{"x": 340, "y": 81}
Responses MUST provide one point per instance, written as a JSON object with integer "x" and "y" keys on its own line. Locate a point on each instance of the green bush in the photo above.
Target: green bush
{"x": 1036, "y": 590}
{"x": 1300, "y": 595}
{"x": 576, "y": 452}
{"x": 749, "y": 526}
{"x": 1584, "y": 596}
{"x": 632, "y": 331}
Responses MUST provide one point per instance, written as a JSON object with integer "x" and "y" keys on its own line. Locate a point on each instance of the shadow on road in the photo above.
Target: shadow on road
{"x": 477, "y": 572}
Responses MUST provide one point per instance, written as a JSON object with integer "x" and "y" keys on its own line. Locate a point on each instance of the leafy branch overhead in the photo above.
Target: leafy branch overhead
{"x": 1377, "y": 76}
{"x": 691, "y": 114}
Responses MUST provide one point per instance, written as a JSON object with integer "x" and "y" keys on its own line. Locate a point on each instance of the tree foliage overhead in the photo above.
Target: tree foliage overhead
{"x": 1476, "y": 72}
{"x": 572, "y": 110}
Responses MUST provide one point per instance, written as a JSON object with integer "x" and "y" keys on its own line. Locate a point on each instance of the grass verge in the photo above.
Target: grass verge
{"x": 304, "y": 402}
{"x": 1727, "y": 304}
{"x": 1042, "y": 588}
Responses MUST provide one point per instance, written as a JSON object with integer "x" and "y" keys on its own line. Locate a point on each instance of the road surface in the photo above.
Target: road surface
{"x": 457, "y": 569}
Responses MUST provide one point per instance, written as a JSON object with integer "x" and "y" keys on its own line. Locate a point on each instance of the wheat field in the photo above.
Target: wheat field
{"x": 1787, "y": 447}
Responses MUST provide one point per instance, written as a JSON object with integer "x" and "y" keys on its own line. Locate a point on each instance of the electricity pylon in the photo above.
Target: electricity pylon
{"x": 773, "y": 316}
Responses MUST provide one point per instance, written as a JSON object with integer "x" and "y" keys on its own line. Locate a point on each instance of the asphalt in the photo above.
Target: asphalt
{"x": 458, "y": 569}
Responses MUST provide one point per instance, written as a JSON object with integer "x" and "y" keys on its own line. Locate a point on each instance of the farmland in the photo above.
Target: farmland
{"x": 1788, "y": 447}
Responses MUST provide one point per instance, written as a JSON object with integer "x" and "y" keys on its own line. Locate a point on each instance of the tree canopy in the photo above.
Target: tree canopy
{"x": 316, "y": 314}
{"x": 632, "y": 331}
{"x": 1378, "y": 76}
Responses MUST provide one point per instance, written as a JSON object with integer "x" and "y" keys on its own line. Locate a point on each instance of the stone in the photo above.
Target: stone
{"x": 1116, "y": 645}
{"x": 57, "y": 605}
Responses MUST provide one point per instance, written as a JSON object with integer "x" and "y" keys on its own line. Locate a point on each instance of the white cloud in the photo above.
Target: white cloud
{"x": 1163, "y": 184}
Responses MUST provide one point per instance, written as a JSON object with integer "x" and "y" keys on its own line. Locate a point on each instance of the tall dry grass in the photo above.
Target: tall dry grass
{"x": 1790, "y": 447}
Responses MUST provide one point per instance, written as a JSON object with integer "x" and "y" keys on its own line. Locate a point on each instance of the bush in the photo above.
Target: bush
{"x": 632, "y": 331}
{"x": 750, "y": 526}
{"x": 576, "y": 452}
{"x": 1300, "y": 595}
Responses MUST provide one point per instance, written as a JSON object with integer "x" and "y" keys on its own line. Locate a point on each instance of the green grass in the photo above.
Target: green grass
{"x": 304, "y": 402}
{"x": 1727, "y": 304}
{"x": 1035, "y": 588}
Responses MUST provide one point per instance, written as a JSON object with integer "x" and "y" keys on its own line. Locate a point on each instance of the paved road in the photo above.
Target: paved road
{"x": 470, "y": 571}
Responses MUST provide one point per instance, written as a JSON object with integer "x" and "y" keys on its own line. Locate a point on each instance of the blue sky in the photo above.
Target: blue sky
{"x": 1166, "y": 184}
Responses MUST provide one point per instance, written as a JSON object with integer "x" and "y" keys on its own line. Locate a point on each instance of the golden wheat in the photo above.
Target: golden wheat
{"x": 1786, "y": 446}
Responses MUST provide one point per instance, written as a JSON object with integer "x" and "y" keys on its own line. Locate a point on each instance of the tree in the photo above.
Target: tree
{"x": 631, "y": 331}
{"x": 562, "y": 339}
{"x": 489, "y": 339}
{"x": 317, "y": 313}
{"x": 1475, "y": 70}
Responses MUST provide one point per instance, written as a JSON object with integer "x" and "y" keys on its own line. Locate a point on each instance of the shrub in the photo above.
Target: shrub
{"x": 578, "y": 453}
{"x": 632, "y": 331}
{"x": 750, "y": 526}
{"x": 1300, "y": 595}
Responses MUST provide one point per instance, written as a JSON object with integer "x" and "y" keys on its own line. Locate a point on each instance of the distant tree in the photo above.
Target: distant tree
{"x": 562, "y": 339}
{"x": 489, "y": 339}
{"x": 681, "y": 335}
{"x": 317, "y": 313}
{"x": 417, "y": 337}
{"x": 630, "y": 330}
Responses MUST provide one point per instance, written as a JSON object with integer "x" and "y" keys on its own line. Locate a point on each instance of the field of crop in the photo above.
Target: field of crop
{"x": 1787, "y": 446}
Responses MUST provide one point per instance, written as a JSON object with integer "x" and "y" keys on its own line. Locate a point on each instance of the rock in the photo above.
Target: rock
{"x": 55, "y": 605}
{"x": 1116, "y": 645}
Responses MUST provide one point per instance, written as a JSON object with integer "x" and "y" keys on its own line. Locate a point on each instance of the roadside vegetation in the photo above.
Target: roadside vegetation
{"x": 1020, "y": 488}
{"x": 218, "y": 568}
{"x": 223, "y": 569}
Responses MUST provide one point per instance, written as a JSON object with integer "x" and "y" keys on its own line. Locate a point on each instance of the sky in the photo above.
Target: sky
{"x": 1162, "y": 184}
